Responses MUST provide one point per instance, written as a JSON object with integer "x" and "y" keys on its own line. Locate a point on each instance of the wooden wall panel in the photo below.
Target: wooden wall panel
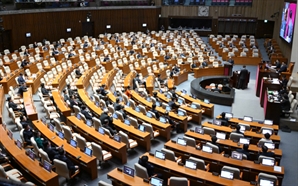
{"x": 52, "y": 25}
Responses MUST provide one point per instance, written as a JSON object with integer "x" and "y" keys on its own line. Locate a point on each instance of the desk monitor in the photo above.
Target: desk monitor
{"x": 51, "y": 127}
{"x": 115, "y": 116}
{"x": 180, "y": 113}
{"x": 268, "y": 162}
{"x": 73, "y": 143}
{"x": 168, "y": 108}
{"x": 10, "y": 134}
{"x": 180, "y": 101}
{"x": 142, "y": 128}
{"x": 120, "y": 99}
{"x": 97, "y": 104}
{"x": 221, "y": 135}
{"x": 268, "y": 122}
{"x": 47, "y": 166}
{"x": 89, "y": 122}
{"x": 61, "y": 135}
{"x": 190, "y": 164}
{"x": 264, "y": 182}
{"x": 148, "y": 99}
{"x": 264, "y": 131}
{"x": 79, "y": 116}
{"x": 181, "y": 141}
{"x": 101, "y": 130}
{"x": 270, "y": 146}
{"x": 244, "y": 141}
{"x": 207, "y": 101}
{"x": 160, "y": 155}
{"x": 157, "y": 103}
{"x": 162, "y": 119}
{"x": 199, "y": 130}
{"x": 129, "y": 171}
{"x": 236, "y": 155}
{"x": 127, "y": 122}
{"x": 148, "y": 114}
{"x": 160, "y": 91}
{"x": 19, "y": 144}
{"x": 169, "y": 96}
{"x": 193, "y": 106}
{"x": 128, "y": 104}
{"x": 117, "y": 138}
{"x": 184, "y": 91}
{"x": 207, "y": 149}
{"x": 229, "y": 115}
{"x": 227, "y": 174}
{"x": 242, "y": 128}
{"x": 44, "y": 120}
{"x": 154, "y": 181}
{"x": 138, "y": 109}
{"x": 115, "y": 94}
{"x": 88, "y": 151}
{"x": 248, "y": 118}
{"x": 216, "y": 122}
{"x": 31, "y": 154}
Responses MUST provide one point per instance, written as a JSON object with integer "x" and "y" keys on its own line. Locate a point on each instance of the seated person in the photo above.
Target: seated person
{"x": 284, "y": 81}
{"x": 283, "y": 68}
{"x": 38, "y": 139}
{"x": 244, "y": 150}
{"x": 283, "y": 91}
{"x": 86, "y": 113}
{"x": 107, "y": 126}
{"x": 78, "y": 73}
{"x": 105, "y": 116}
{"x": 128, "y": 92}
{"x": 216, "y": 89}
{"x": 21, "y": 79}
{"x": 22, "y": 89}
{"x": 153, "y": 109}
{"x": 266, "y": 153}
{"x": 65, "y": 95}
{"x": 266, "y": 138}
{"x": 175, "y": 69}
{"x": 173, "y": 104}
{"x": 173, "y": 92}
{"x": 24, "y": 63}
{"x": 71, "y": 91}
{"x": 106, "y": 58}
{"x": 204, "y": 64}
{"x": 145, "y": 163}
{"x": 62, "y": 157}
{"x": 73, "y": 102}
{"x": 224, "y": 120}
{"x": 161, "y": 82}
{"x": 173, "y": 124}
{"x": 51, "y": 151}
{"x": 213, "y": 141}
{"x": 44, "y": 91}
{"x": 155, "y": 96}
{"x": 27, "y": 134}
{"x": 237, "y": 129}
{"x": 230, "y": 60}
{"x": 85, "y": 44}
{"x": 102, "y": 90}
{"x": 119, "y": 107}
{"x": 193, "y": 65}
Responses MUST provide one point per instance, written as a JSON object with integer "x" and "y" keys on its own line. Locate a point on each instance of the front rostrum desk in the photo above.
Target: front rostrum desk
{"x": 28, "y": 165}
{"x": 87, "y": 163}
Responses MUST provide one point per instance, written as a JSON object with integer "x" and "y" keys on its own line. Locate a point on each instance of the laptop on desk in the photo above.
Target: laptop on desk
{"x": 264, "y": 182}
{"x": 162, "y": 119}
{"x": 227, "y": 174}
{"x": 248, "y": 118}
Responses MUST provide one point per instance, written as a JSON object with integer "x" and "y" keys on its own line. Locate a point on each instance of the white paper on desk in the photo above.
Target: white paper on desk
{"x": 293, "y": 119}
{"x": 277, "y": 168}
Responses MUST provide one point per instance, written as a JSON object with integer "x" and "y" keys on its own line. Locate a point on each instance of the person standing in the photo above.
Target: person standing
{"x": 242, "y": 77}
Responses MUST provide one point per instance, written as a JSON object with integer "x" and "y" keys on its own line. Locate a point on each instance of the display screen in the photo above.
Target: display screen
{"x": 287, "y": 21}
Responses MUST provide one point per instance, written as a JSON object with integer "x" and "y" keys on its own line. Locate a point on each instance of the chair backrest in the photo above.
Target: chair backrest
{"x": 2, "y": 172}
{"x": 44, "y": 156}
{"x": 58, "y": 124}
{"x": 119, "y": 115}
{"x": 96, "y": 123}
{"x": 35, "y": 147}
{"x": 133, "y": 122}
{"x": 124, "y": 139}
{"x": 170, "y": 155}
{"x": 61, "y": 168}
{"x": 236, "y": 136}
{"x": 265, "y": 157}
{"x": 236, "y": 172}
{"x": 200, "y": 163}
{"x": 178, "y": 181}
{"x": 149, "y": 129}
{"x": 76, "y": 110}
{"x": 142, "y": 109}
{"x": 21, "y": 135}
{"x": 214, "y": 147}
{"x": 132, "y": 104}
{"x": 246, "y": 126}
{"x": 102, "y": 183}
{"x": 67, "y": 133}
{"x": 209, "y": 131}
{"x": 141, "y": 171}
{"x": 107, "y": 132}
{"x": 190, "y": 141}
{"x": 97, "y": 151}
{"x": 267, "y": 177}
{"x": 81, "y": 142}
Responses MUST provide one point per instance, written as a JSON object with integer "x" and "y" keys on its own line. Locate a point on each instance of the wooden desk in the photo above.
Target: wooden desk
{"x": 229, "y": 145}
{"x": 32, "y": 67}
{"x": 83, "y": 81}
{"x": 61, "y": 105}
{"x": 10, "y": 81}
{"x": 60, "y": 80}
{"x": 185, "y": 66}
{"x": 272, "y": 109}
{"x": 268, "y": 85}
{"x": 119, "y": 179}
{"x": 262, "y": 72}
{"x": 128, "y": 80}
{"x": 29, "y": 105}
{"x": 143, "y": 138}
{"x": 150, "y": 84}
{"x": 217, "y": 161}
{"x": 164, "y": 129}
{"x": 108, "y": 78}
{"x": 118, "y": 150}
{"x": 253, "y": 135}
{"x": 169, "y": 168}
{"x": 2, "y": 101}
{"x": 247, "y": 60}
{"x": 31, "y": 167}
{"x": 213, "y": 71}
{"x": 89, "y": 164}
{"x": 35, "y": 83}
{"x": 209, "y": 108}
{"x": 180, "y": 78}
{"x": 12, "y": 65}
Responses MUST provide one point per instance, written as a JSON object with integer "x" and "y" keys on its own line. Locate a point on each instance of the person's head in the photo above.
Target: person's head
{"x": 245, "y": 146}
{"x": 46, "y": 143}
{"x": 42, "y": 85}
{"x": 153, "y": 106}
{"x": 8, "y": 99}
{"x": 61, "y": 151}
{"x": 21, "y": 74}
{"x": 172, "y": 98}
{"x": 83, "y": 107}
{"x": 264, "y": 148}
{"x": 174, "y": 88}
{"x": 223, "y": 115}
{"x": 103, "y": 85}
{"x": 154, "y": 94}
{"x": 117, "y": 100}
{"x": 128, "y": 87}
{"x": 144, "y": 159}
{"x": 267, "y": 136}
{"x": 244, "y": 66}
{"x": 25, "y": 126}
{"x": 238, "y": 127}
{"x": 213, "y": 139}
{"x": 282, "y": 63}
{"x": 68, "y": 86}
{"x": 72, "y": 97}
{"x": 64, "y": 91}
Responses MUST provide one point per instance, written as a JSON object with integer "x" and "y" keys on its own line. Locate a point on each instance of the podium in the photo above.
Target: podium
{"x": 235, "y": 79}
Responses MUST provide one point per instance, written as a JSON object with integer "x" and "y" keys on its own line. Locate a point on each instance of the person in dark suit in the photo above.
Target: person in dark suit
{"x": 175, "y": 69}
{"x": 153, "y": 109}
{"x": 231, "y": 60}
{"x": 27, "y": 133}
{"x": 119, "y": 107}
{"x": 244, "y": 150}
{"x": 24, "y": 63}
{"x": 86, "y": 113}
{"x": 213, "y": 141}
{"x": 237, "y": 129}
{"x": 285, "y": 103}
{"x": 70, "y": 91}
{"x": 283, "y": 91}
{"x": 102, "y": 90}
{"x": 284, "y": 81}
{"x": 204, "y": 64}
{"x": 44, "y": 91}
{"x": 216, "y": 89}
{"x": 78, "y": 73}
{"x": 149, "y": 167}
{"x": 73, "y": 102}
{"x": 22, "y": 89}
{"x": 193, "y": 65}
{"x": 224, "y": 120}
{"x": 173, "y": 124}
{"x": 242, "y": 77}
{"x": 21, "y": 79}
{"x": 173, "y": 104}
{"x": 108, "y": 126}
{"x": 70, "y": 165}
{"x": 266, "y": 153}
{"x": 65, "y": 95}
{"x": 51, "y": 151}
{"x": 161, "y": 82}
{"x": 104, "y": 116}
{"x": 283, "y": 68}
{"x": 173, "y": 92}
{"x": 85, "y": 44}
{"x": 277, "y": 64}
